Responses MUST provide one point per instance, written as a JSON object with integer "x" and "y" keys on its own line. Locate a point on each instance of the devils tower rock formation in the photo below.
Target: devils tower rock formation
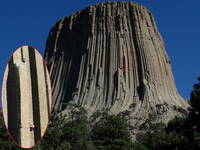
{"x": 111, "y": 56}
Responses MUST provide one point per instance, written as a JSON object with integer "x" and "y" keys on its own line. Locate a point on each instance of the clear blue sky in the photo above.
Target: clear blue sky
{"x": 26, "y": 22}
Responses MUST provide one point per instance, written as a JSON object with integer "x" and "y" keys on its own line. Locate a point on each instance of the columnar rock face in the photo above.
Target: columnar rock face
{"x": 111, "y": 56}
{"x": 26, "y": 97}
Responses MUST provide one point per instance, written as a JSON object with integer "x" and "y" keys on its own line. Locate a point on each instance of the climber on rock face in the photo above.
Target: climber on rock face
{"x": 32, "y": 127}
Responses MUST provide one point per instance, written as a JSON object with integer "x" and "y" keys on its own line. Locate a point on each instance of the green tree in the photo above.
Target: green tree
{"x": 5, "y": 141}
{"x": 195, "y": 104}
{"x": 69, "y": 133}
{"x": 138, "y": 146}
{"x": 180, "y": 133}
{"x": 155, "y": 137}
{"x": 194, "y": 116}
{"x": 77, "y": 130}
{"x": 111, "y": 132}
{"x": 53, "y": 135}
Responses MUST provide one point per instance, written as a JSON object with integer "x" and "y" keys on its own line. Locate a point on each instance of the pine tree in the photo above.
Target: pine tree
{"x": 111, "y": 132}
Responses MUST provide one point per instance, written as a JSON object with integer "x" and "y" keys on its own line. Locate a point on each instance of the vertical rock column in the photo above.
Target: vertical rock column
{"x": 26, "y": 96}
{"x": 22, "y": 68}
{"x": 111, "y": 56}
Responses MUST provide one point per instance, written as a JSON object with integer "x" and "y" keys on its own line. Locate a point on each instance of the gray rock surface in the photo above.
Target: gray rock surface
{"x": 26, "y": 97}
{"x": 111, "y": 56}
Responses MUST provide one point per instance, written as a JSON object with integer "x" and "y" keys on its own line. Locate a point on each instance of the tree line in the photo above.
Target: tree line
{"x": 103, "y": 131}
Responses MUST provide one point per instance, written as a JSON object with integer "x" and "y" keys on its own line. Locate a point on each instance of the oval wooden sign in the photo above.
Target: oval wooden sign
{"x": 26, "y": 97}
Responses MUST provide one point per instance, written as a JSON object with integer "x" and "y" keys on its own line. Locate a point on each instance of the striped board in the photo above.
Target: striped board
{"x": 26, "y": 97}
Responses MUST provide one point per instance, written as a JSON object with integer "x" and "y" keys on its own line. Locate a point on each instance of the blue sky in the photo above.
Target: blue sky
{"x": 24, "y": 22}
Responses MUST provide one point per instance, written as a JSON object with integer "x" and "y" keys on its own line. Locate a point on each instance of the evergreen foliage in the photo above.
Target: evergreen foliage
{"x": 103, "y": 131}
{"x": 111, "y": 132}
